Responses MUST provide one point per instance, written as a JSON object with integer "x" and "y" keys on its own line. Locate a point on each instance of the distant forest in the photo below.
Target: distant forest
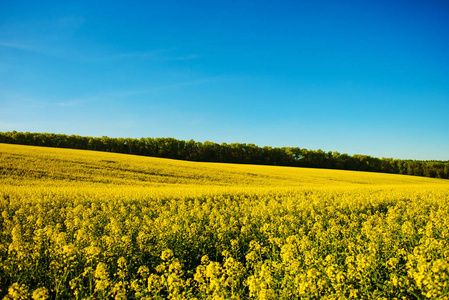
{"x": 231, "y": 153}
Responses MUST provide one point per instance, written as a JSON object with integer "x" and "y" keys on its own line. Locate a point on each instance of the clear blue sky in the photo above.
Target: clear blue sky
{"x": 358, "y": 77}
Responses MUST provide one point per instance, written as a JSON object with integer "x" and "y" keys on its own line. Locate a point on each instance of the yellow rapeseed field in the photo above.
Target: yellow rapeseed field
{"x": 91, "y": 225}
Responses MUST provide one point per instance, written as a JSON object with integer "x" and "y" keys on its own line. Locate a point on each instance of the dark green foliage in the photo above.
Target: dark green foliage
{"x": 231, "y": 153}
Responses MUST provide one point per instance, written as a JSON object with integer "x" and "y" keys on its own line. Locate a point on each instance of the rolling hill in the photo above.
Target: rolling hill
{"x": 32, "y": 164}
{"x": 79, "y": 224}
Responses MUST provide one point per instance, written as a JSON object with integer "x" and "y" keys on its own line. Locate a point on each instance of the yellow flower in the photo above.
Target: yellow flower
{"x": 40, "y": 294}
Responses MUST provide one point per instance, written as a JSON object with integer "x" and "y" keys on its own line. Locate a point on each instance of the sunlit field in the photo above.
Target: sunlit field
{"x": 92, "y": 225}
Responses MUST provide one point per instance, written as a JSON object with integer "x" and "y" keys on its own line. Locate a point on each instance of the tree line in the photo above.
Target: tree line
{"x": 231, "y": 153}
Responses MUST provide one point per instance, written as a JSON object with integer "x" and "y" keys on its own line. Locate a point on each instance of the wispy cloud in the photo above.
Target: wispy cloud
{"x": 37, "y": 48}
{"x": 188, "y": 83}
{"x": 42, "y": 36}
{"x": 187, "y": 57}
{"x": 71, "y": 103}
{"x": 14, "y": 102}
{"x": 195, "y": 121}
{"x": 156, "y": 88}
{"x": 92, "y": 56}
{"x": 16, "y": 45}
{"x": 11, "y": 101}
{"x": 156, "y": 55}
{"x": 151, "y": 54}
{"x": 6, "y": 126}
{"x": 146, "y": 90}
{"x": 14, "y": 98}
{"x": 72, "y": 22}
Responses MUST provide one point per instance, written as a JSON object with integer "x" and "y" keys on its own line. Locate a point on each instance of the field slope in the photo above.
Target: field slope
{"x": 35, "y": 165}
{"x": 79, "y": 224}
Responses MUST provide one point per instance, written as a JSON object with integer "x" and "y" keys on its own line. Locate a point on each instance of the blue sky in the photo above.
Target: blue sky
{"x": 358, "y": 77}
